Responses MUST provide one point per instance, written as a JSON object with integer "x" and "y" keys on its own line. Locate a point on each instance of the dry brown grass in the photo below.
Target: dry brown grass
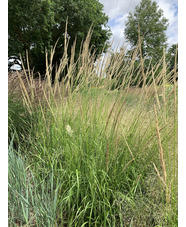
{"x": 19, "y": 80}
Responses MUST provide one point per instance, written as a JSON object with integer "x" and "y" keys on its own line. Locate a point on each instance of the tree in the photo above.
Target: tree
{"x": 171, "y": 55}
{"x": 81, "y": 15}
{"x": 152, "y": 26}
{"x": 29, "y": 25}
{"x": 36, "y": 25}
{"x": 172, "y": 58}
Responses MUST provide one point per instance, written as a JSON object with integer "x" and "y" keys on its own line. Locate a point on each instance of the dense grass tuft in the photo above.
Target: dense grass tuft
{"x": 89, "y": 153}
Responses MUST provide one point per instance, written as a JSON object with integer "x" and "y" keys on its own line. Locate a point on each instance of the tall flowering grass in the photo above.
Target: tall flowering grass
{"x": 99, "y": 152}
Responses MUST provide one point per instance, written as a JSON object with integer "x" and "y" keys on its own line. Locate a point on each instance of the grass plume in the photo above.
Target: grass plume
{"x": 85, "y": 145}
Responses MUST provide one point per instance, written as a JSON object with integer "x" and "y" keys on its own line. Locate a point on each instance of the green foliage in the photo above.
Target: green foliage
{"x": 29, "y": 29}
{"x": 171, "y": 55}
{"x": 152, "y": 29}
{"x": 35, "y": 26}
{"x": 19, "y": 120}
{"x": 31, "y": 201}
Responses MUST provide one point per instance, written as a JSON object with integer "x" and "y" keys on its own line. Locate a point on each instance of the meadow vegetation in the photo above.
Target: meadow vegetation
{"x": 84, "y": 152}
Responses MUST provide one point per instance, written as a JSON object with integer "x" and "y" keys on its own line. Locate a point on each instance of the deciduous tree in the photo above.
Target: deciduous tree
{"x": 36, "y": 25}
{"x": 149, "y": 17}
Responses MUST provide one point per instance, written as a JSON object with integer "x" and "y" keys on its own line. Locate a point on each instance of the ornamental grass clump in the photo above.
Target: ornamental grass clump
{"x": 103, "y": 150}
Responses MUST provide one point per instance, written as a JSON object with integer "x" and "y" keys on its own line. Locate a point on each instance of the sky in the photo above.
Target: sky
{"x": 118, "y": 11}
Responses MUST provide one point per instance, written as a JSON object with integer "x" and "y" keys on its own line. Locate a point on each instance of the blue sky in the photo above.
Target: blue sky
{"x": 118, "y": 11}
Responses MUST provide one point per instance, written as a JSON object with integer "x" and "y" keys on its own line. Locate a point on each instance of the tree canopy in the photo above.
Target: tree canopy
{"x": 171, "y": 55}
{"x": 172, "y": 61}
{"x": 36, "y": 25}
{"x": 152, "y": 24}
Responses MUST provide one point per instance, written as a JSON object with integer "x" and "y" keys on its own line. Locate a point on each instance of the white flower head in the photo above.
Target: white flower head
{"x": 69, "y": 130}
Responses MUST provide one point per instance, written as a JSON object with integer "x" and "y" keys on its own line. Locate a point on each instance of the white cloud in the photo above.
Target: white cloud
{"x": 118, "y": 11}
{"x": 118, "y": 28}
{"x": 118, "y": 7}
{"x": 169, "y": 13}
